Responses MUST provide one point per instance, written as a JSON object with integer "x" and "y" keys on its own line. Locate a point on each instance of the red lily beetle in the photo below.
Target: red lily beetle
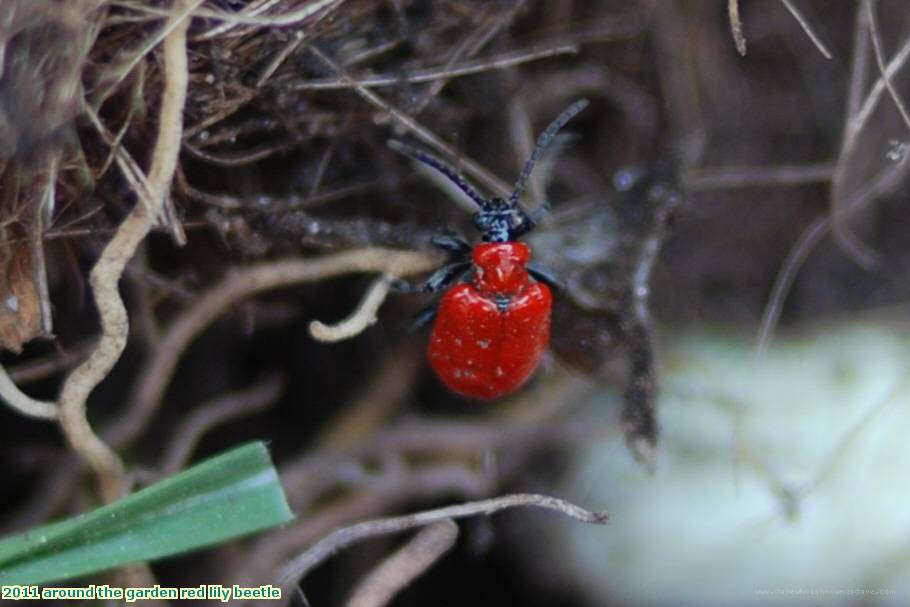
{"x": 491, "y": 329}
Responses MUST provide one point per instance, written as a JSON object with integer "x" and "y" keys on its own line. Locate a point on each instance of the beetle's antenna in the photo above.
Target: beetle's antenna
{"x": 545, "y": 139}
{"x": 432, "y": 161}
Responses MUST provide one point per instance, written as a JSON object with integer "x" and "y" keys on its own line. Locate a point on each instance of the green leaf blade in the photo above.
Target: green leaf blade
{"x": 229, "y": 495}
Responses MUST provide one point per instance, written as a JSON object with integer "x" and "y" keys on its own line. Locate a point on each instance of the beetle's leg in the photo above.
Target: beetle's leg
{"x": 441, "y": 278}
{"x": 426, "y": 315}
{"x": 456, "y": 272}
{"x": 445, "y": 276}
{"x": 448, "y": 240}
{"x": 400, "y": 285}
{"x": 546, "y": 276}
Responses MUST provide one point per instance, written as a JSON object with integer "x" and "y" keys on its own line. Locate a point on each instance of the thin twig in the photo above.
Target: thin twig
{"x": 128, "y": 166}
{"x": 249, "y": 16}
{"x": 106, "y": 273}
{"x": 298, "y": 567}
{"x": 252, "y": 9}
{"x": 321, "y": 168}
{"x": 39, "y": 368}
{"x": 405, "y": 565}
{"x": 884, "y": 182}
{"x": 421, "y": 132}
{"x": 479, "y": 66}
{"x": 362, "y": 318}
{"x": 135, "y": 100}
{"x": 736, "y": 26}
{"x": 43, "y": 212}
{"x": 236, "y": 286}
{"x": 713, "y": 178}
{"x": 807, "y": 28}
{"x": 386, "y": 492}
{"x": 219, "y": 411}
{"x": 880, "y": 60}
{"x": 241, "y": 157}
{"x": 466, "y": 47}
{"x": 859, "y": 60}
{"x": 175, "y": 21}
{"x": 290, "y": 18}
{"x": 280, "y": 57}
{"x": 225, "y": 110}
{"x": 783, "y": 282}
{"x": 852, "y": 130}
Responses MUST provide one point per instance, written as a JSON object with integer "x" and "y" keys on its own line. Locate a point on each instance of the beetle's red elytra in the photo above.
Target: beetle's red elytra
{"x": 492, "y": 329}
{"x": 490, "y": 334}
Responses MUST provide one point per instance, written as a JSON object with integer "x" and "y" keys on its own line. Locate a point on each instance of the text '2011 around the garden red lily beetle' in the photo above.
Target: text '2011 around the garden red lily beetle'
{"x": 493, "y": 326}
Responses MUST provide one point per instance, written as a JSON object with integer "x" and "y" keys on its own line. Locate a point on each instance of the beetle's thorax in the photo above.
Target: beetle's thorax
{"x": 501, "y": 267}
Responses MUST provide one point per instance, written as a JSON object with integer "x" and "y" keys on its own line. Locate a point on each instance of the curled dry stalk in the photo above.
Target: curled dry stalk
{"x": 736, "y": 27}
{"x": 361, "y": 319}
{"x": 106, "y": 273}
{"x": 299, "y": 566}
{"x": 21, "y": 402}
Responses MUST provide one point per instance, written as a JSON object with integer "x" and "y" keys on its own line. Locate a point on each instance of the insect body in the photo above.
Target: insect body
{"x": 490, "y": 334}
{"x": 492, "y": 328}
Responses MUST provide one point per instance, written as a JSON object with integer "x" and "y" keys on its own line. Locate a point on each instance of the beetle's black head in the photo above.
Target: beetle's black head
{"x": 501, "y": 220}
